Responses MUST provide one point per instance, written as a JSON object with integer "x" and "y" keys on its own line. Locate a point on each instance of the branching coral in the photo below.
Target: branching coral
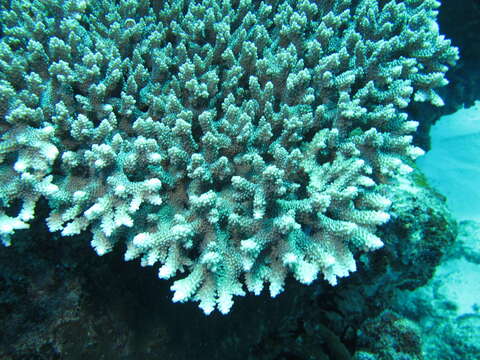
{"x": 233, "y": 141}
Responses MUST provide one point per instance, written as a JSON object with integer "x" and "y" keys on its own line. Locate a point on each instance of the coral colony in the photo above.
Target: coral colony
{"x": 231, "y": 142}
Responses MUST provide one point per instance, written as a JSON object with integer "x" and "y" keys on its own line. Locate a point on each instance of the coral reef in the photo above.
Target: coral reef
{"x": 446, "y": 309}
{"x": 59, "y": 300}
{"x": 391, "y": 337}
{"x": 233, "y": 142}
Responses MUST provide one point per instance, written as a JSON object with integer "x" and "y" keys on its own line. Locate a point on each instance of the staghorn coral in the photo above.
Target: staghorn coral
{"x": 233, "y": 142}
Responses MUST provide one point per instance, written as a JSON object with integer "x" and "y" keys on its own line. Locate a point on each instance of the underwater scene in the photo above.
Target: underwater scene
{"x": 240, "y": 179}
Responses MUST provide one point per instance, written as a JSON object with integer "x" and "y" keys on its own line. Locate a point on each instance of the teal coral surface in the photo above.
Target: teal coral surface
{"x": 229, "y": 142}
